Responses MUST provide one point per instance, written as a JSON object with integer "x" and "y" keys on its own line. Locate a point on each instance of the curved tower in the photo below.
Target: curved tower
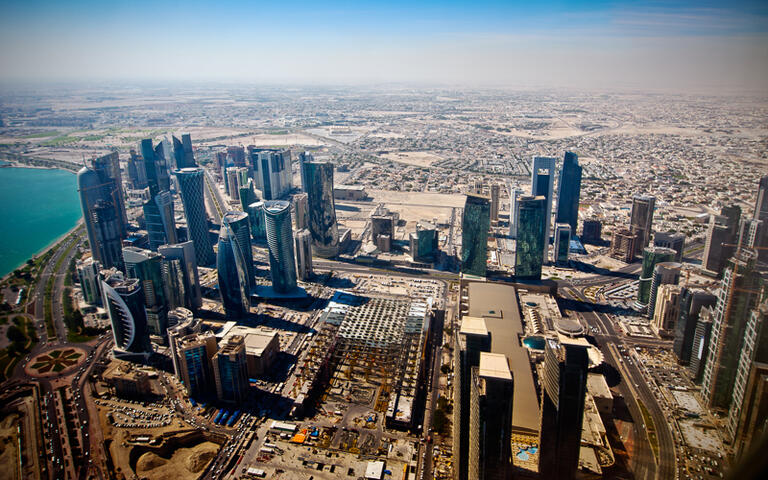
{"x": 234, "y": 263}
{"x": 322, "y": 209}
{"x": 124, "y": 300}
{"x": 282, "y": 266}
{"x": 256, "y": 219}
{"x": 191, "y": 191}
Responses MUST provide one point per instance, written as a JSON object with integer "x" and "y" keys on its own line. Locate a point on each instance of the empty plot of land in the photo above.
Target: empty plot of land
{"x": 419, "y": 159}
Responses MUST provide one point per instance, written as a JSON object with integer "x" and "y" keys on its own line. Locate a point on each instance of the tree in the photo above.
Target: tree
{"x": 15, "y": 334}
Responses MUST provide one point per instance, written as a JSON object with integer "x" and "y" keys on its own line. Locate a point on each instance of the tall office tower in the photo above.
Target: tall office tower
{"x": 160, "y": 221}
{"x": 641, "y": 220}
{"x": 301, "y": 211}
{"x": 229, "y": 370}
{"x": 195, "y": 352}
{"x": 155, "y": 167}
{"x": 191, "y": 190}
{"x": 736, "y": 297}
{"x": 495, "y": 194}
{"x": 651, "y": 257}
{"x": 124, "y": 301}
{"x": 233, "y": 261}
{"x": 256, "y": 220}
{"x": 282, "y": 266}
{"x": 666, "y": 309}
{"x": 514, "y": 197}
{"x": 137, "y": 174}
{"x": 148, "y": 268}
{"x": 322, "y": 209}
{"x": 236, "y": 177}
{"x": 753, "y": 234}
{"x": 761, "y": 203}
{"x": 182, "y": 152}
{"x": 562, "y": 408}
{"x": 592, "y": 231}
{"x": 236, "y": 156}
{"x": 271, "y": 171}
{"x": 221, "y": 162}
{"x": 675, "y": 241}
{"x": 182, "y": 282}
{"x": 382, "y": 228}
{"x": 247, "y": 195}
{"x": 90, "y": 283}
{"x": 531, "y": 236}
{"x": 181, "y": 322}
{"x": 474, "y": 235}
{"x": 474, "y": 338}
{"x": 98, "y": 201}
{"x": 304, "y": 157}
{"x": 562, "y": 244}
{"x": 752, "y": 364}
{"x": 691, "y": 303}
{"x": 303, "y": 243}
{"x": 719, "y": 245}
{"x": 664, "y": 273}
{"x": 700, "y": 347}
{"x": 569, "y": 191}
{"x": 542, "y": 183}
{"x": 424, "y": 242}
{"x": 623, "y": 245}
{"x": 752, "y": 425}
{"x": 490, "y": 418}
{"x": 108, "y": 168}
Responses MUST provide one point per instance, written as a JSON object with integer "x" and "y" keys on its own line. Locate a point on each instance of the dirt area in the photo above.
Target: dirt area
{"x": 417, "y": 198}
{"x": 185, "y": 463}
{"x": 269, "y": 140}
{"x": 9, "y": 451}
{"x": 419, "y": 159}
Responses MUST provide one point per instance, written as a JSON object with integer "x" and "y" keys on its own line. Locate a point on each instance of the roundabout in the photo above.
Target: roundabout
{"x": 55, "y": 362}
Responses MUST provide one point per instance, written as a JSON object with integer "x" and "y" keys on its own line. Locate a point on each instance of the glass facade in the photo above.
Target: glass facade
{"x": 569, "y": 191}
{"x": 99, "y": 200}
{"x": 531, "y": 240}
{"x": 651, "y": 257}
{"x": 542, "y": 184}
{"x": 474, "y": 235}
{"x": 180, "y": 275}
{"x": 192, "y": 197}
{"x": 124, "y": 301}
{"x": 235, "y": 264}
{"x": 159, "y": 219}
{"x": 282, "y": 266}
{"x": 229, "y": 365}
{"x": 147, "y": 267}
{"x": 256, "y": 220}
{"x": 562, "y": 243}
{"x": 322, "y": 208}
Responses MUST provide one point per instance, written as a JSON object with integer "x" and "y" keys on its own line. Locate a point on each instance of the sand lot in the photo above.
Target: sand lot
{"x": 418, "y": 159}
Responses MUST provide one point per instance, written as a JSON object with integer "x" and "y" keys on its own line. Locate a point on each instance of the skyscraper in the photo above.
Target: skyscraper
{"x": 180, "y": 276}
{"x": 564, "y": 385}
{"x": 159, "y": 219}
{"x": 322, "y": 209}
{"x": 592, "y": 231}
{"x": 720, "y": 242}
{"x": 191, "y": 190}
{"x": 424, "y": 242}
{"x": 641, "y": 220}
{"x": 90, "y": 283}
{"x": 235, "y": 264}
{"x": 236, "y": 178}
{"x": 666, "y": 308}
{"x": 700, "y": 347}
{"x": 495, "y": 195}
{"x": 182, "y": 152}
{"x": 664, "y": 273}
{"x": 256, "y": 220}
{"x": 99, "y": 199}
{"x": 623, "y": 245}
{"x": 137, "y": 174}
{"x": 124, "y": 301}
{"x": 108, "y": 168}
{"x": 675, "y": 241}
{"x": 569, "y": 191}
{"x": 691, "y": 303}
{"x": 181, "y": 322}
{"x": 301, "y": 211}
{"x": 282, "y": 267}
{"x": 155, "y": 167}
{"x": 761, "y": 203}
{"x": 651, "y": 257}
{"x": 562, "y": 244}
{"x": 230, "y": 371}
{"x": 531, "y": 237}
{"x": 236, "y": 156}
{"x": 247, "y": 195}
{"x": 271, "y": 171}
{"x": 195, "y": 352}
{"x": 474, "y": 235}
{"x": 514, "y": 196}
{"x": 382, "y": 228}
{"x": 304, "y": 157}
{"x": 148, "y": 268}
{"x": 542, "y": 183}
{"x": 303, "y": 243}
{"x": 736, "y": 297}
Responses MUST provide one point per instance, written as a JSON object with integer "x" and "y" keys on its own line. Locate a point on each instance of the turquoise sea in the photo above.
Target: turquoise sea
{"x": 36, "y": 207}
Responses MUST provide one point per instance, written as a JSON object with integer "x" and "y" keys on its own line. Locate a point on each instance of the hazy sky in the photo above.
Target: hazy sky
{"x": 656, "y": 45}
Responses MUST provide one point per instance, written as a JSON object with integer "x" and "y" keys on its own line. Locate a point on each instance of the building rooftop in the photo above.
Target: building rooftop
{"x": 256, "y": 338}
{"x": 497, "y": 305}
{"x": 494, "y": 365}
{"x": 473, "y": 326}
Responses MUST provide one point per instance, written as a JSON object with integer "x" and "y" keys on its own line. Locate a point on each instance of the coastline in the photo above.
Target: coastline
{"x": 55, "y": 241}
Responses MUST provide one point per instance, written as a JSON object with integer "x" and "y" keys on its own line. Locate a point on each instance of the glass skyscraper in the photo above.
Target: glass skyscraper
{"x": 159, "y": 219}
{"x": 641, "y": 220}
{"x": 322, "y": 208}
{"x": 531, "y": 239}
{"x": 180, "y": 275}
{"x": 182, "y": 152}
{"x": 256, "y": 220}
{"x": 569, "y": 191}
{"x": 282, "y": 266}
{"x": 542, "y": 183}
{"x": 191, "y": 190}
{"x": 303, "y": 244}
{"x": 124, "y": 301}
{"x": 230, "y": 372}
{"x": 147, "y": 266}
{"x": 155, "y": 166}
{"x": 651, "y": 257}
{"x": 235, "y": 264}
{"x": 562, "y": 243}
{"x": 272, "y": 171}
{"x": 474, "y": 235}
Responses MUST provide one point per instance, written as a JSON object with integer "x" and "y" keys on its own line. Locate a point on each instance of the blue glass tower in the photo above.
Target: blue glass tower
{"x": 282, "y": 265}
{"x": 322, "y": 209}
{"x": 542, "y": 183}
{"x": 569, "y": 191}
{"x": 474, "y": 235}
{"x": 531, "y": 240}
{"x": 235, "y": 264}
{"x": 192, "y": 197}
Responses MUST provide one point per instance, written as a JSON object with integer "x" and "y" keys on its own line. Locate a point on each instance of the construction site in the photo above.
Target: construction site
{"x": 368, "y": 351}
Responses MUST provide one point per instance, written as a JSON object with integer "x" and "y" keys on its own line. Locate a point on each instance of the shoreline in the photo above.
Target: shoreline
{"x": 55, "y": 241}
